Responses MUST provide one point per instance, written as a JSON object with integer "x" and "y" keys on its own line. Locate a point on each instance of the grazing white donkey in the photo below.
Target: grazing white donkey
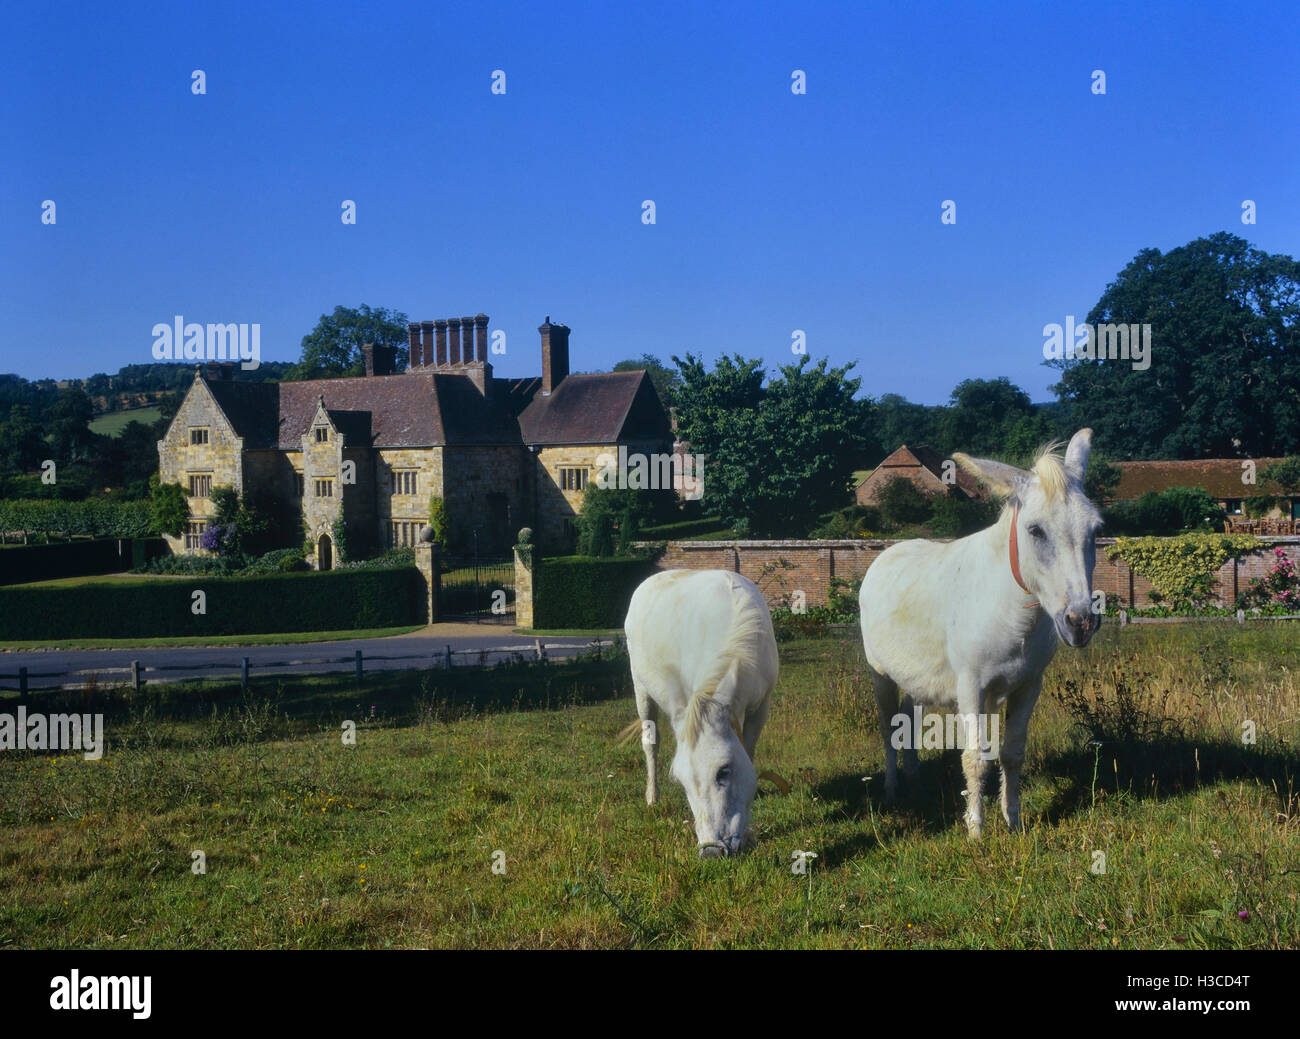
{"x": 702, "y": 651}
{"x": 971, "y": 624}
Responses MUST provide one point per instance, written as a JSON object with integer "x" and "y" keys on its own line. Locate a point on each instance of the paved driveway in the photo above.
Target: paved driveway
{"x": 469, "y": 643}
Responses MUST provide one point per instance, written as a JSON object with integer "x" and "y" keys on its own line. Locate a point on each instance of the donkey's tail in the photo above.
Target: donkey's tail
{"x": 626, "y": 734}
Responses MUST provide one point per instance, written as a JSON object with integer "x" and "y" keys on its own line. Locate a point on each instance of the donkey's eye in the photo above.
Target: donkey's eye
{"x": 1035, "y": 530}
{"x": 724, "y": 774}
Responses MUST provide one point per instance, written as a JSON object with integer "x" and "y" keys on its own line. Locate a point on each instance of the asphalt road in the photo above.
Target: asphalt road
{"x": 419, "y": 650}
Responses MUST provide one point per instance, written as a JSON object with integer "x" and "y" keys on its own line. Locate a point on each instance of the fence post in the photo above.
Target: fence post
{"x": 22, "y": 682}
{"x": 449, "y": 656}
{"x": 1123, "y": 618}
{"x": 135, "y": 675}
{"x": 1241, "y": 617}
{"x": 243, "y": 674}
{"x": 541, "y": 653}
{"x": 358, "y": 658}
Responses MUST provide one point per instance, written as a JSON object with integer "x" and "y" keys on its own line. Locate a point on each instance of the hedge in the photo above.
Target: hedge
{"x": 584, "y": 592}
{"x": 74, "y": 559}
{"x": 95, "y": 517}
{"x": 332, "y": 601}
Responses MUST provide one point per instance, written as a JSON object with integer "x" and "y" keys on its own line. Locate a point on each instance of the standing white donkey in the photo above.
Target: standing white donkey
{"x": 972, "y": 624}
{"x": 702, "y": 651}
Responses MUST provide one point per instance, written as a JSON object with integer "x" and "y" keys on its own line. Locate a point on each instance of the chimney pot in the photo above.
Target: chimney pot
{"x": 480, "y": 337}
{"x": 413, "y": 345}
{"x": 440, "y": 331}
{"x": 453, "y": 344}
{"x": 426, "y": 342}
{"x": 555, "y": 354}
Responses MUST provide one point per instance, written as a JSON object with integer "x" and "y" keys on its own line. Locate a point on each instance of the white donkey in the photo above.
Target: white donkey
{"x": 972, "y": 624}
{"x": 702, "y": 651}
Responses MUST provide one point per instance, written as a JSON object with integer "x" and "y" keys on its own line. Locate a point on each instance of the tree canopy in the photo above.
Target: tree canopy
{"x": 333, "y": 347}
{"x": 1225, "y": 355}
{"x": 779, "y": 455}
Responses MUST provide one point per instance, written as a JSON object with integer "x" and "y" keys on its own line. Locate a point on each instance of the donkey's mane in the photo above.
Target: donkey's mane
{"x": 739, "y": 651}
{"x": 1049, "y": 467}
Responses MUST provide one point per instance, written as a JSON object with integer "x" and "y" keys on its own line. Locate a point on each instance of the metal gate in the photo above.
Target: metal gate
{"x": 479, "y": 589}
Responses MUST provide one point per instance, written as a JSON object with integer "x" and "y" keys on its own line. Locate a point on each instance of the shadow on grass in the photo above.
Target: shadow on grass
{"x": 275, "y": 708}
{"x": 1159, "y": 769}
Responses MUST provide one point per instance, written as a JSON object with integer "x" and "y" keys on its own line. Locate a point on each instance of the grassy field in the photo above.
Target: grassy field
{"x": 310, "y": 843}
{"x": 112, "y": 423}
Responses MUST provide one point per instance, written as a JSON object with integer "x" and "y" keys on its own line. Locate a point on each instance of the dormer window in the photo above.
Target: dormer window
{"x": 322, "y": 434}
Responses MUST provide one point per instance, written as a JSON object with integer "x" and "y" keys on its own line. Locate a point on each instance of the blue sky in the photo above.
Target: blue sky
{"x": 775, "y": 212}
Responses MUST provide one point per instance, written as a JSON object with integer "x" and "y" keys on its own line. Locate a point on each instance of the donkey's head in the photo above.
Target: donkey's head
{"x": 719, "y": 779}
{"x": 1053, "y": 530}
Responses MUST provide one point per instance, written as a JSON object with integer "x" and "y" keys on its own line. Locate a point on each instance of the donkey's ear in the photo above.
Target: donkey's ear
{"x": 1006, "y": 481}
{"x": 1076, "y": 455}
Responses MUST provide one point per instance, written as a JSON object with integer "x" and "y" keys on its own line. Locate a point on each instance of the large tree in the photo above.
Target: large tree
{"x": 666, "y": 381}
{"x": 333, "y": 347}
{"x": 776, "y": 456}
{"x": 1224, "y": 375}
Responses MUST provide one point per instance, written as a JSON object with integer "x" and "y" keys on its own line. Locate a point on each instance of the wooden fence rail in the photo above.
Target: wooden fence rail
{"x": 538, "y": 653}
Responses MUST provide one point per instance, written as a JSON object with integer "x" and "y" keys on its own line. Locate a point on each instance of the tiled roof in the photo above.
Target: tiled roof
{"x": 586, "y": 409}
{"x": 1220, "y": 476}
{"x": 419, "y": 409}
{"x": 908, "y": 457}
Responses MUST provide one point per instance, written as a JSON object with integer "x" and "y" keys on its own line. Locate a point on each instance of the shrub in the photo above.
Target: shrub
{"x": 1181, "y": 569}
{"x": 438, "y": 519}
{"x": 901, "y": 502}
{"x": 335, "y": 600}
{"x": 1277, "y": 590}
{"x": 581, "y": 592}
{"x": 94, "y": 517}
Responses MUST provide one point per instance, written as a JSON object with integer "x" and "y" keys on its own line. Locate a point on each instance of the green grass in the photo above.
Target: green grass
{"x": 113, "y": 579}
{"x": 291, "y": 638}
{"x": 111, "y": 423}
{"x": 313, "y": 844}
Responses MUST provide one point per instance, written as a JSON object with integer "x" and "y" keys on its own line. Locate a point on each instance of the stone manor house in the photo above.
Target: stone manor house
{"x": 501, "y": 453}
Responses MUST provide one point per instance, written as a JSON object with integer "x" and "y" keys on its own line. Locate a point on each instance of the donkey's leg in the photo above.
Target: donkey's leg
{"x": 886, "y": 707}
{"x": 970, "y": 702}
{"x": 648, "y": 711}
{"x": 911, "y": 763}
{"x": 1011, "y": 755}
{"x": 754, "y": 722}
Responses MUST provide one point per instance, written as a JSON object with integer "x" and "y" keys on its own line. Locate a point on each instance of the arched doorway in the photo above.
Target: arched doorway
{"x": 324, "y": 553}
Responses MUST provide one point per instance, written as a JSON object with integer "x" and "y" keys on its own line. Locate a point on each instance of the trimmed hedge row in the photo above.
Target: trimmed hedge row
{"x": 584, "y": 592}
{"x": 74, "y": 558}
{"x": 94, "y": 517}
{"x": 332, "y": 601}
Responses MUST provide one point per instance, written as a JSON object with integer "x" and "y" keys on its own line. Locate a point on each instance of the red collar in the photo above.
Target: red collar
{"x": 1015, "y": 555}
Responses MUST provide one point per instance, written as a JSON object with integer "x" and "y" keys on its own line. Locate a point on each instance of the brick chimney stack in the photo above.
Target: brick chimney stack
{"x": 466, "y": 340}
{"x": 379, "y": 360}
{"x": 480, "y": 337}
{"x": 555, "y": 354}
{"x": 440, "y": 331}
{"x": 453, "y": 346}
{"x": 413, "y": 344}
{"x": 426, "y": 343}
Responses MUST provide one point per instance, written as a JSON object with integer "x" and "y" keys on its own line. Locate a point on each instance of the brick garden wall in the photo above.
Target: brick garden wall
{"x": 779, "y": 567}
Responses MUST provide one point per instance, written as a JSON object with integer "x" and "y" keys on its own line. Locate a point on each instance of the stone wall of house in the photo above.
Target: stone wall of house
{"x": 556, "y": 507}
{"x": 220, "y": 458}
{"x": 484, "y": 487}
{"x": 322, "y": 460}
{"x": 427, "y": 464}
{"x": 783, "y": 567}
